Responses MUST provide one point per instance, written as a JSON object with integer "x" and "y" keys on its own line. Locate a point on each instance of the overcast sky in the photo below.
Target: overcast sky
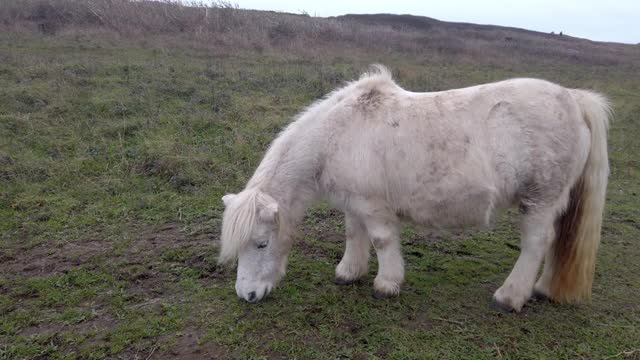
{"x": 604, "y": 20}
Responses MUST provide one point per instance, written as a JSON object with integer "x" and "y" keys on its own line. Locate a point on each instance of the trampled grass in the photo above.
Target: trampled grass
{"x": 113, "y": 158}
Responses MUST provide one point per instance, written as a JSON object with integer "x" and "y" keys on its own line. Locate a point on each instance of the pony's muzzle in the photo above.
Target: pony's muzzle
{"x": 253, "y": 294}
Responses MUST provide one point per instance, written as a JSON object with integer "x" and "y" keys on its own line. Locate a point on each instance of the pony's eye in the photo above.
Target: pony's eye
{"x": 262, "y": 245}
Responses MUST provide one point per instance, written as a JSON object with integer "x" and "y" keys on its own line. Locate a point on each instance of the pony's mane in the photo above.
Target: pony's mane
{"x": 239, "y": 218}
{"x": 238, "y": 222}
{"x": 376, "y": 72}
{"x": 376, "y": 76}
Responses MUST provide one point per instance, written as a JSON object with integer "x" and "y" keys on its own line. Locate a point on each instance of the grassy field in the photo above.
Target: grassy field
{"x": 113, "y": 158}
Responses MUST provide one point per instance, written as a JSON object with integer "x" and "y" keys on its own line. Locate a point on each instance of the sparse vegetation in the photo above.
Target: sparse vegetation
{"x": 225, "y": 29}
{"x": 122, "y": 124}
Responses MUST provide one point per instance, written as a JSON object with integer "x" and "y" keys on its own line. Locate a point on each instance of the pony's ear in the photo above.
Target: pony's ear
{"x": 227, "y": 199}
{"x": 269, "y": 212}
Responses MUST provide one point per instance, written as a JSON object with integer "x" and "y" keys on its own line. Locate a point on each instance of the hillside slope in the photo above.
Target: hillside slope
{"x": 225, "y": 28}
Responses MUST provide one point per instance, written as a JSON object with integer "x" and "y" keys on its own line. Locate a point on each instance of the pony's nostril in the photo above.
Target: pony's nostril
{"x": 252, "y": 296}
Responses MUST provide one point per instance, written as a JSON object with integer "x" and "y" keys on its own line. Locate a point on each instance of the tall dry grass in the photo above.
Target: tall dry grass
{"x": 224, "y": 27}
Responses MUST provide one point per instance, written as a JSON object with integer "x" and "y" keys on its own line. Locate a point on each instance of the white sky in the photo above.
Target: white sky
{"x": 602, "y": 20}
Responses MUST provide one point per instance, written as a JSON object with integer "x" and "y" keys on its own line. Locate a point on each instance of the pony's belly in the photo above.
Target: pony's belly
{"x": 457, "y": 202}
{"x": 471, "y": 206}
{"x": 453, "y": 218}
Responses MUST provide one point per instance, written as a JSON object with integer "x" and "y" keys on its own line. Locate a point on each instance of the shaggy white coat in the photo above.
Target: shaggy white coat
{"x": 452, "y": 158}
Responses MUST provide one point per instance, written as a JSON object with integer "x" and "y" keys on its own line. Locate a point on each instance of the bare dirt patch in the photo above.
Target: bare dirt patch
{"x": 98, "y": 324}
{"x": 191, "y": 345}
{"x": 48, "y": 259}
{"x": 145, "y": 267}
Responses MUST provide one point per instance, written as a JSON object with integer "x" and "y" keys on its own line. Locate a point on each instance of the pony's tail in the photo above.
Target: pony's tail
{"x": 573, "y": 253}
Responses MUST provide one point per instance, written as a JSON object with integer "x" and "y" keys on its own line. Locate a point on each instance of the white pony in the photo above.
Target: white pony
{"x": 383, "y": 154}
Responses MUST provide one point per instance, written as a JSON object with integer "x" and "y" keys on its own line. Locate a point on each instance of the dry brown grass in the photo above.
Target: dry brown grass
{"x": 224, "y": 28}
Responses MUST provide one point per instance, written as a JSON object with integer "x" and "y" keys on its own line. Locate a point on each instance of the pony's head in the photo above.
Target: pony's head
{"x": 252, "y": 233}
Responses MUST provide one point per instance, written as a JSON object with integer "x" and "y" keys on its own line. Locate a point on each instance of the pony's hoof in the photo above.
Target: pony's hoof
{"x": 539, "y": 296}
{"x": 383, "y": 295}
{"x": 341, "y": 281}
{"x": 501, "y": 307}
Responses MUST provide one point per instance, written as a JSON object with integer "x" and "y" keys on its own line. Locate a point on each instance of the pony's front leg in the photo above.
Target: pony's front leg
{"x": 355, "y": 261}
{"x": 537, "y": 232}
{"x": 385, "y": 236}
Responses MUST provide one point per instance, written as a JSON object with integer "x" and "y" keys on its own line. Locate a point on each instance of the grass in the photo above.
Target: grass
{"x": 113, "y": 158}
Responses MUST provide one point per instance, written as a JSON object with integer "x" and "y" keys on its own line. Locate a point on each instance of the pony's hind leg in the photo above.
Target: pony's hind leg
{"x": 541, "y": 288}
{"x": 537, "y": 234}
{"x": 355, "y": 261}
{"x": 385, "y": 236}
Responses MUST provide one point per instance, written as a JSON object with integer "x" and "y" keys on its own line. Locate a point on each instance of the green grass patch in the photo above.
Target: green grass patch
{"x": 113, "y": 159}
